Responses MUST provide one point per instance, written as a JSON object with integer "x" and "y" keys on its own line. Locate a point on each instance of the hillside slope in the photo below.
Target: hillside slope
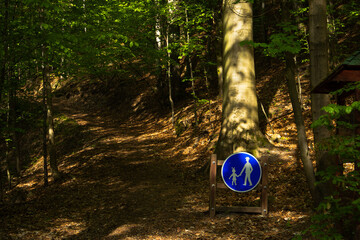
{"x": 129, "y": 177}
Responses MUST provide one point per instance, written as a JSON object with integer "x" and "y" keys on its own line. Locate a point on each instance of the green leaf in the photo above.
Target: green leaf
{"x": 44, "y": 26}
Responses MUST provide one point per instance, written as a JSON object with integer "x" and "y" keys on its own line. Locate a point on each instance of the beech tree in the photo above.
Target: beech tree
{"x": 319, "y": 67}
{"x": 239, "y": 128}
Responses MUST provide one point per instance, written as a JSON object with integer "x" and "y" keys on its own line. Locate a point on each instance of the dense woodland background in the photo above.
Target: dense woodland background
{"x": 111, "y": 109}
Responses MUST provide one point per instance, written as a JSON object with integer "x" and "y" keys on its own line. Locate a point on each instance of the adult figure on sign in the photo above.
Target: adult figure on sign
{"x": 248, "y": 170}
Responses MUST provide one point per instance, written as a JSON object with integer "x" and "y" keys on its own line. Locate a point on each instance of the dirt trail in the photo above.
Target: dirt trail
{"x": 127, "y": 175}
{"x": 126, "y": 182}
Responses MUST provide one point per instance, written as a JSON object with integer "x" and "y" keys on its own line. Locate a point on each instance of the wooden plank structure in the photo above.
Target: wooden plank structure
{"x": 347, "y": 72}
{"x": 214, "y": 185}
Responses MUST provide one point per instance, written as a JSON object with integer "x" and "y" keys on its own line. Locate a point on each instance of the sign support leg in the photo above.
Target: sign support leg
{"x": 213, "y": 166}
{"x": 264, "y": 189}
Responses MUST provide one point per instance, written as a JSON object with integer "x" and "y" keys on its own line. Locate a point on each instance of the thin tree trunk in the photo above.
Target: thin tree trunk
{"x": 51, "y": 133}
{"x": 161, "y": 75}
{"x": 208, "y": 94}
{"x": 157, "y": 28}
{"x": 295, "y": 97}
{"x": 262, "y": 34}
{"x": 1, "y": 188}
{"x": 8, "y": 143}
{"x": 170, "y": 2}
{"x": 45, "y": 152}
{"x": 191, "y": 72}
{"x": 8, "y": 173}
{"x": 5, "y": 45}
{"x": 3, "y": 76}
{"x": 219, "y": 56}
{"x": 169, "y": 83}
{"x": 45, "y": 127}
{"x": 16, "y": 134}
{"x": 300, "y": 126}
{"x": 12, "y": 125}
{"x": 84, "y": 6}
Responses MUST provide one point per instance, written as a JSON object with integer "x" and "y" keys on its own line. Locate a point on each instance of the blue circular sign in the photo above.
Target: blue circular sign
{"x": 241, "y": 172}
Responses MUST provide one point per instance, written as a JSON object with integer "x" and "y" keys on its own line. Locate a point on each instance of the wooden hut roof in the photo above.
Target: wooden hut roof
{"x": 348, "y": 71}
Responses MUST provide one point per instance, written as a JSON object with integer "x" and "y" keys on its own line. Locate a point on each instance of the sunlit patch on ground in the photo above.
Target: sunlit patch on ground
{"x": 134, "y": 179}
{"x": 121, "y": 231}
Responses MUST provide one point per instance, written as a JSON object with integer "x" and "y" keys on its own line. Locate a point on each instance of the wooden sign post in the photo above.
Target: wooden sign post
{"x": 214, "y": 185}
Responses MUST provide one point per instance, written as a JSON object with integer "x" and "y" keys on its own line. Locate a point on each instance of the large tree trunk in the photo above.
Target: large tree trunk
{"x": 239, "y": 129}
{"x": 318, "y": 71}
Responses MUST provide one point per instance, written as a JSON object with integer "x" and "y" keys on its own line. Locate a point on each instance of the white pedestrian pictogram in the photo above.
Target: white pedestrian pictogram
{"x": 248, "y": 170}
{"x": 233, "y": 176}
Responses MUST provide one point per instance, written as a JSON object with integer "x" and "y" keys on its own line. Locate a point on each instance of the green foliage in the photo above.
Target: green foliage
{"x": 341, "y": 15}
{"x": 280, "y": 43}
{"x": 339, "y": 214}
{"x": 239, "y": 1}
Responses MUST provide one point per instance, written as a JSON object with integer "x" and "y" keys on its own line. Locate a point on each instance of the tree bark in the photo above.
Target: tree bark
{"x": 3, "y": 76}
{"x": 295, "y": 96}
{"x": 158, "y": 34}
{"x": 191, "y": 72}
{"x": 8, "y": 146}
{"x": 5, "y": 47}
{"x": 318, "y": 71}
{"x": 15, "y": 145}
{"x": 239, "y": 129}
{"x": 300, "y": 126}
{"x": 50, "y": 126}
{"x": 161, "y": 75}
{"x": 219, "y": 56}
{"x": 44, "y": 96}
{"x": 170, "y": 2}
{"x": 45, "y": 151}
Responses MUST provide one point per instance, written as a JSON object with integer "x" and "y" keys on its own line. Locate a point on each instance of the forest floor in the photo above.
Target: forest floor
{"x": 130, "y": 177}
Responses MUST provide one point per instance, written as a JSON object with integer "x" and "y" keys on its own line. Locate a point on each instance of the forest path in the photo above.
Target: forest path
{"x": 126, "y": 179}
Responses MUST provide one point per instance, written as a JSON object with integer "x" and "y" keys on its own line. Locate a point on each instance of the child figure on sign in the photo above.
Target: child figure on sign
{"x": 233, "y": 176}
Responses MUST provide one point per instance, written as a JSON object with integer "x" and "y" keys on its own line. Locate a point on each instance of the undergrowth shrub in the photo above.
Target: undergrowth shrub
{"x": 338, "y": 216}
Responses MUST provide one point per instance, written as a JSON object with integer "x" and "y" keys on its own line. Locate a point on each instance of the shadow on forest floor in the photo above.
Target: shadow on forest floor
{"x": 129, "y": 179}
